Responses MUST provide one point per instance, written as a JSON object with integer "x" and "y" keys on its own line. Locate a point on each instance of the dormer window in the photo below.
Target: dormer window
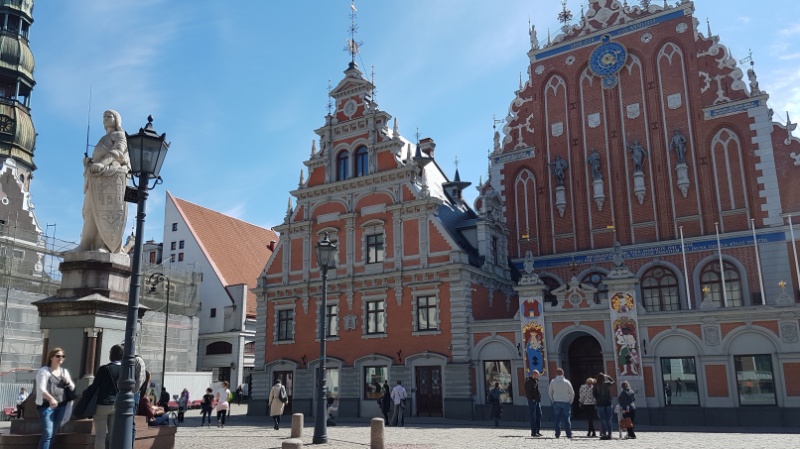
{"x": 362, "y": 161}
{"x": 342, "y": 166}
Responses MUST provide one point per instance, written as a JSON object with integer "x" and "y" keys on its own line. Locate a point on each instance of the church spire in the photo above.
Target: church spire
{"x": 352, "y": 44}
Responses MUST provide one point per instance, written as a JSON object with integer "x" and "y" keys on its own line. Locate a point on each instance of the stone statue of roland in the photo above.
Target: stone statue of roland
{"x": 104, "y": 180}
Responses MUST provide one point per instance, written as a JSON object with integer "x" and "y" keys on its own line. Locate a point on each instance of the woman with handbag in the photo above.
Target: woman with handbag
{"x": 53, "y": 388}
{"x": 626, "y": 403}
{"x": 588, "y": 403}
{"x": 277, "y": 400}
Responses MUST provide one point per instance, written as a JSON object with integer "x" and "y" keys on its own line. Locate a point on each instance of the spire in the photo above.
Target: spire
{"x": 548, "y": 37}
{"x": 520, "y": 81}
{"x": 396, "y": 129}
{"x": 313, "y": 148}
{"x": 330, "y": 99}
{"x": 708, "y": 22}
{"x": 288, "y": 211}
{"x": 302, "y": 178}
{"x": 455, "y": 187}
{"x": 353, "y": 45}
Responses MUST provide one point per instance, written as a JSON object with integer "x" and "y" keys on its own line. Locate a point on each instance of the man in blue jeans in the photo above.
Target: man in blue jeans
{"x": 534, "y": 402}
{"x": 603, "y": 395}
{"x": 561, "y": 395}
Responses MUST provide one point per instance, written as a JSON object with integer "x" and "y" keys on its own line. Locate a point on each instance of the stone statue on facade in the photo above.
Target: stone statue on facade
{"x": 105, "y": 177}
{"x": 678, "y": 144}
{"x": 594, "y": 162}
{"x": 559, "y": 166}
{"x": 638, "y": 154}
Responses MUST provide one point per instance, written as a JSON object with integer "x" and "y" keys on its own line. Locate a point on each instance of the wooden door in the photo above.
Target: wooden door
{"x": 429, "y": 390}
{"x": 585, "y": 360}
{"x": 287, "y": 379}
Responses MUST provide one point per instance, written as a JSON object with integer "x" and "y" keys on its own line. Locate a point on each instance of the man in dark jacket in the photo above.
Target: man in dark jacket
{"x": 602, "y": 392}
{"x": 163, "y": 401}
{"x": 105, "y": 380}
{"x": 534, "y": 402}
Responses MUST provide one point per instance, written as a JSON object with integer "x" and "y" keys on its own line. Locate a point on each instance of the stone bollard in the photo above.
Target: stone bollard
{"x": 297, "y": 426}
{"x": 376, "y": 435}
{"x": 292, "y": 443}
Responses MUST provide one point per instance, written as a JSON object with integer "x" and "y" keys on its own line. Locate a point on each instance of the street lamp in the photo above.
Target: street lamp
{"x": 147, "y": 151}
{"x": 327, "y": 253}
{"x": 155, "y": 279}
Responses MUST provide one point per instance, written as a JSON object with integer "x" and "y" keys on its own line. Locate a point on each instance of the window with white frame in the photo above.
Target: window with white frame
{"x": 376, "y": 316}
{"x": 332, "y": 320}
{"x": 285, "y": 325}
{"x": 375, "y": 251}
{"x": 427, "y": 313}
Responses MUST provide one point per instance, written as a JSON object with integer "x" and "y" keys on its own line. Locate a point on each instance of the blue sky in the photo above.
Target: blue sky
{"x": 240, "y": 85}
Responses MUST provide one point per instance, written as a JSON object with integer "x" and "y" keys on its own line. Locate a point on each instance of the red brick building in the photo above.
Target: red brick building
{"x": 642, "y": 194}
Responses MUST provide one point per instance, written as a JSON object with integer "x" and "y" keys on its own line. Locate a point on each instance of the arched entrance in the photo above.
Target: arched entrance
{"x": 584, "y": 359}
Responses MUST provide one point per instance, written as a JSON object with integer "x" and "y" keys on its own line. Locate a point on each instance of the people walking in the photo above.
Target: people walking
{"x": 602, "y": 394}
{"x": 277, "y": 400}
{"x": 51, "y": 380}
{"x": 205, "y": 407}
{"x": 105, "y": 380}
{"x": 183, "y": 404}
{"x": 385, "y": 402}
{"x": 399, "y": 396}
{"x": 588, "y": 403}
{"x": 627, "y": 403}
{"x": 497, "y": 406}
{"x": 561, "y": 395}
{"x": 239, "y": 395}
{"x": 534, "y": 402}
{"x": 223, "y": 396}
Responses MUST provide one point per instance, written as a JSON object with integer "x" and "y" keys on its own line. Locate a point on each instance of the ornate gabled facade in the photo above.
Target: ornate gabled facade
{"x": 637, "y": 160}
{"x": 416, "y": 266}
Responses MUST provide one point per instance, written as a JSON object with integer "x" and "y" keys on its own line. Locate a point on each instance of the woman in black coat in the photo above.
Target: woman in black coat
{"x": 385, "y": 403}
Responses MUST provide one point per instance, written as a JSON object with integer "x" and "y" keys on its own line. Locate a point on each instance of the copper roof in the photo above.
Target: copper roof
{"x": 236, "y": 250}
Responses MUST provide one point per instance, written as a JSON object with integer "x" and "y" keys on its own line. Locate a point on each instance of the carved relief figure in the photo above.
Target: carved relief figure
{"x": 594, "y": 162}
{"x": 105, "y": 178}
{"x": 638, "y": 154}
{"x": 678, "y": 144}
{"x": 559, "y": 166}
{"x": 625, "y": 338}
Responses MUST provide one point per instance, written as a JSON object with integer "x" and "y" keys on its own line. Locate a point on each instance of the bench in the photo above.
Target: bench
{"x": 9, "y": 413}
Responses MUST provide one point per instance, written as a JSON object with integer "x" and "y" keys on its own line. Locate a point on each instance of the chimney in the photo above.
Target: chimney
{"x": 271, "y": 245}
{"x": 427, "y": 145}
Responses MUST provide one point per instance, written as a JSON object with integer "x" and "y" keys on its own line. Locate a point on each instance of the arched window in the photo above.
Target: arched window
{"x": 362, "y": 161}
{"x": 219, "y": 347}
{"x": 660, "y": 290}
{"x": 710, "y": 279}
{"x": 342, "y": 166}
{"x": 551, "y": 284}
{"x": 597, "y": 280}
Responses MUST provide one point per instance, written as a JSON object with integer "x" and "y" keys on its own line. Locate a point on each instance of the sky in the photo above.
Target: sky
{"x": 239, "y": 86}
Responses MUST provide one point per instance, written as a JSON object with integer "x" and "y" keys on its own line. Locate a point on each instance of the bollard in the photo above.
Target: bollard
{"x": 376, "y": 434}
{"x": 292, "y": 443}
{"x": 297, "y": 426}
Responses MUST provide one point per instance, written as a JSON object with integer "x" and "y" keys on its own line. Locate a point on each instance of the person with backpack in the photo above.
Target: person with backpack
{"x": 105, "y": 381}
{"x": 206, "y": 405}
{"x": 277, "y": 400}
{"x": 223, "y": 403}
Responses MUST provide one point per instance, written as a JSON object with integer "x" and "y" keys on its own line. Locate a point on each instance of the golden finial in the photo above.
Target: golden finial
{"x": 782, "y": 285}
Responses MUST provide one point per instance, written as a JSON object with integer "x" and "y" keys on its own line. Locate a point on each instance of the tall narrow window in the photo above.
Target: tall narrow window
{"x": 375, "y": 248}
{"x": 376, "y": 320}
{"x": 499, "y": 371}
{"x": 426, "y": 314}
{"x": 342, "y": 166}
{"x": 660, "y": 290}
{"x": 362, "y": 161}
{"x": 285, "y": 325}
{"x": 332, "y": 323}
{"x": 710, "y": 279}
{"x": 755, "y": 379}
{"x": 679, "y": 381}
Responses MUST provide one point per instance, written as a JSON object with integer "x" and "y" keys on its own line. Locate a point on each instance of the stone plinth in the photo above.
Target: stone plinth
{"x": 92, "y": 272}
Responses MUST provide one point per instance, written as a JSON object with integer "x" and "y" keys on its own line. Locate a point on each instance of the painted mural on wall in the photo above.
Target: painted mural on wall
{"x": 532, "y": 317}
{"x": 626, "y": 334}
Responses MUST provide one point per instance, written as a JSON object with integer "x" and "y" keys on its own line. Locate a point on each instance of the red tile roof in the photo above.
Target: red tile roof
{"x": 236, "y": 250}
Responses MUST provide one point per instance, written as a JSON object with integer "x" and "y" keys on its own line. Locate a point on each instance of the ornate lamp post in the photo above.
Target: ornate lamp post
{"x": 147, "y": 151}
{"x": 155, "y": 279}
{"x": 327, "y": 253}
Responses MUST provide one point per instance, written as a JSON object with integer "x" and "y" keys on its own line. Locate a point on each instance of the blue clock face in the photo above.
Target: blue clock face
{"x": 608, "y": 58}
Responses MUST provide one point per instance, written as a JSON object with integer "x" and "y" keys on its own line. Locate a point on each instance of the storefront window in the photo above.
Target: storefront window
{"x": 679, "y": 381}
{"x": 331, "y": 382}
{"x": 374, "y": 376}
{"x": 755, "y": 380}
{"x": 499, "y": 371}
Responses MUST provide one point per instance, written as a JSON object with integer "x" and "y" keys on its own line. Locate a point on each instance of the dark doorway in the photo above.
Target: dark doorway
{"x": 287, "y": 379}
{"x": 429, "y": 390}
{"x": 585, "y": 360}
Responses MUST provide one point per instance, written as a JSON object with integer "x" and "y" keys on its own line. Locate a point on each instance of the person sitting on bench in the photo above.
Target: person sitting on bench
{"x": 150, "y": 412}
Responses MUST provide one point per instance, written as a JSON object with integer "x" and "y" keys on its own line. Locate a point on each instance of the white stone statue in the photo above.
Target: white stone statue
{"x": 105, "y": 177}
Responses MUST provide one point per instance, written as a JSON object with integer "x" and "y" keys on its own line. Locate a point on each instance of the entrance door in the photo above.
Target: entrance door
{"x": 585, "y": 360}
{"x": 429, "y": 390}
{"x": 287, "y": 379}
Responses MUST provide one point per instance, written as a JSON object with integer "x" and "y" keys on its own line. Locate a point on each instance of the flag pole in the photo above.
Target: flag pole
{"x": 794, "y": 250}
{"x": 721, "y": 268}
{"x": 685, "y": 271}
{"x": 758, "y": 261}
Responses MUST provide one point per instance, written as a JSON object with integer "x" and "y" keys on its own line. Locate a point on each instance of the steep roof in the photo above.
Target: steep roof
{"x": 236, "y": 250}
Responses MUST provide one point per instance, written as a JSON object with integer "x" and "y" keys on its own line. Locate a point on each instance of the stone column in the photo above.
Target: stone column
{"x": 531, "y": 291}
{"x": 91, "y": 350}
{"x": 45, "y": 345}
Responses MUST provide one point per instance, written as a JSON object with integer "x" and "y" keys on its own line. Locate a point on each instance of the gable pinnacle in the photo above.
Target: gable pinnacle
{"x": 352, "y": 46}
{"x": 708, "y": 22}
{"x": 313, "y": 148}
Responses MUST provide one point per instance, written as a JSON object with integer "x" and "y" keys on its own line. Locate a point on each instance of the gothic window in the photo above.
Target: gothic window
{"x": 711, "y": 283}
{"x": 342, "y": 166}
{"x": 660, "y": 290}
{"x": 362, "y": 161}
{"x": 597, "y": 280}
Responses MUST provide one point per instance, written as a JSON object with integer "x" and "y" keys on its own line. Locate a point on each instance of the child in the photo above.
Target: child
{"x": 205, "y": 407}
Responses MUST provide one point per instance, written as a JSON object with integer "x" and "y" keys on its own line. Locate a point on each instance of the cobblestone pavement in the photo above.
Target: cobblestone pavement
{"x": 244, "y": 432}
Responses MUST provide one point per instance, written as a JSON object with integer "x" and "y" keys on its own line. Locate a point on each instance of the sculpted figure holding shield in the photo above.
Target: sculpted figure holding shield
{"x": 104, "y": 180}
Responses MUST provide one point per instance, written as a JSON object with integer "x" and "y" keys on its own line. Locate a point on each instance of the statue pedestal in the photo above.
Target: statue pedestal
{"x": 638, "y": 186}
{"x": 88, "y": 313}
{"x": 683, "y": 178}
{"x": 561, "y": 200}
{"x": 599, "y": 196}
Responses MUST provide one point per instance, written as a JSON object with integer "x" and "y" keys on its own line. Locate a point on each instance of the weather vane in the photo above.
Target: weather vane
{"x": 565, "y": 16}
{"x": 330, "y": 99}
{"x": 352, "y": 45}
{"x": 645, "y": 4}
